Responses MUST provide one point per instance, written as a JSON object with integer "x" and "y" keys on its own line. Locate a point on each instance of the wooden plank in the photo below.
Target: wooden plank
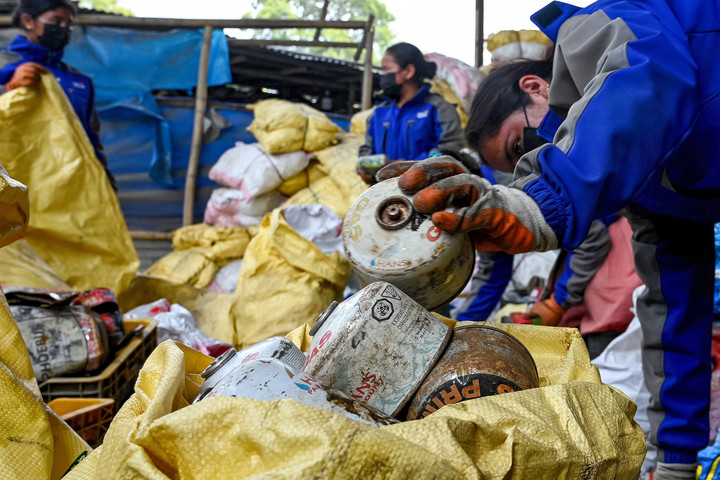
{"x": 250, "y": 23}
{"x": 323, "y": 14}
{"x": 366, "y": 100}
{"x": 196, "y": 145}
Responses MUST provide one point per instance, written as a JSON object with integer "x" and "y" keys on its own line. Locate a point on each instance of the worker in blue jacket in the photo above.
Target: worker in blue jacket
{"x": 635, "y": 88}
{"x": 412, "y": 124}
{"x": 47, "y": 32}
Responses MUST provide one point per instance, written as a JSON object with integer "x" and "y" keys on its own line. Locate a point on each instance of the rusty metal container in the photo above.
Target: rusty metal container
{"x": 279, "y": 348}
{"x": 480, "y": 361}
{"x": 270, "y": 379}
{"x": 385, "y": 239}
{"x": 377, "y": 346}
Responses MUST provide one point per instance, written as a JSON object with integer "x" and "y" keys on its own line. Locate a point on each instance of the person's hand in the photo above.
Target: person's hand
{"x": 548, "y": 310}
{"x": 366, "y": 177}
{"x": 26, "y": 75}
{"x": 496, "y": 217}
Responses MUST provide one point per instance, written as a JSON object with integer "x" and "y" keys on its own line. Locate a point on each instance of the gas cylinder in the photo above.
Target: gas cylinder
{"x": 385, "y": 239}
{"x": 279, "y": 348}
{"x": 377, "y": 346}
{"x": 480, "y": 361}
{"x": 270, "y": 379}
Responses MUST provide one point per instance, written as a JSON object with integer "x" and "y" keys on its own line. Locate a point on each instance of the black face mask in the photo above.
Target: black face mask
{"x": 531, "y": 139}
{"x": 54, "y": 37}
{"x": 390, "y": 89}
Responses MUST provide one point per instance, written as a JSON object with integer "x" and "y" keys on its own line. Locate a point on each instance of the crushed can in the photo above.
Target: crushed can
{"x": 377, "y": 346}
{"x": 279, "y": 348}
{"x": 385, "y": 239}
{"x": 270, "y": 379}
{"x": 61, "y": 341}
{"x": 480, "y": 361}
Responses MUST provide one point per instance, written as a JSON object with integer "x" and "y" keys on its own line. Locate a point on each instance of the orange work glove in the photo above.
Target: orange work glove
{"x": 26, "y": 75}
{"x": 549, "y": 311}
{"x": 496, "y": 217}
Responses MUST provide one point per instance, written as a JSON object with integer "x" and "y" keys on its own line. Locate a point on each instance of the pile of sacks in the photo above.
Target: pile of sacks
{"x": 260, "y": 176}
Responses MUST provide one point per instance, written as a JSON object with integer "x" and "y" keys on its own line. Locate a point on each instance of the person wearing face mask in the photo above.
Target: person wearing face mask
{"x": 508, "y": 106}
{"x": 47, "y": 31}
{"x": 412, "y": 124}
{"x": 635, "y": 90}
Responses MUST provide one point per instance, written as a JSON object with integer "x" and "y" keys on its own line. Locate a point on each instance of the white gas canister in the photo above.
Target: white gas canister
{"x": 385, "y": 239}
{"x": 377, "y": 346}
{"x": 270, "y": 379}
{"x": 279, "y": 348}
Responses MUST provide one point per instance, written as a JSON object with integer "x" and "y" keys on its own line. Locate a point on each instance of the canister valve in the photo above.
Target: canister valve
{"x": 394, "y": 212}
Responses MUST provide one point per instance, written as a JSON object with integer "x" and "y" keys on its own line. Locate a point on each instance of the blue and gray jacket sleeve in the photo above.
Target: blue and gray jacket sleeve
{"x": 626, "y": 88}
{"x": 582, "y": 264}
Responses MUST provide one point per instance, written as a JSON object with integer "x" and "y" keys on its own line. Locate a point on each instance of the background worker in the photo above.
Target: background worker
{"x": 412, "y": 123}
{"x": 47, "y": 31}
{"x": 635, "y": 89}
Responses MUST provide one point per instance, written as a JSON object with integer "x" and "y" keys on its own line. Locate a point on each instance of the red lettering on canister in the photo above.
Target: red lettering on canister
{"x": 433, "y": 233}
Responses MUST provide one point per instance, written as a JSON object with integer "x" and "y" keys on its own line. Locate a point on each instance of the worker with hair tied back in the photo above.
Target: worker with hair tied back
{"x": 47, "y": 31}
{"x": 412, "y": 123}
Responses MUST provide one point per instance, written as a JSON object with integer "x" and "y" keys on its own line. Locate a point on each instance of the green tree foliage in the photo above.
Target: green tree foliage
{"x": 337, "y": 10}
{"x": 109, "y": 6}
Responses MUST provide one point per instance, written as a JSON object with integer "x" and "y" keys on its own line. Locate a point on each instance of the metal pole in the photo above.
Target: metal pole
{"x": 197, "y": 134}
{"x": 368, "y": 72}
{"x": 479, "y": 32}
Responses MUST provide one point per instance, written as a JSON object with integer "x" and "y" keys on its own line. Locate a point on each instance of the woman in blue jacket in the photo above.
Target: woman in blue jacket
{"x": 412, "y": 123}
{"x": 47, "y": 32}
{"x": 636, "y": 90}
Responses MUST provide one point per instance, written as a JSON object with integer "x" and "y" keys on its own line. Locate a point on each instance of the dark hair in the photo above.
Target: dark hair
{"x": 37, "y": 7}
{"x": 407, "y": 54}
{"x": 498, "y": 96}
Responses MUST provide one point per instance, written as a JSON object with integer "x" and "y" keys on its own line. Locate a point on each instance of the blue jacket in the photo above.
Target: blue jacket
{"x": 636, "y": 86}
{"x": 426, "y": 122}
{"x": 77, "y": 87}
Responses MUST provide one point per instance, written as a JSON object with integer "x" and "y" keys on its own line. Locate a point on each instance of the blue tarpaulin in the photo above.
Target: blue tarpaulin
{"x": 126, "y": 65}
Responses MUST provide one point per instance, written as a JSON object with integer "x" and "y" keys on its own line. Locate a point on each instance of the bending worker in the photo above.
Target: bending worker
{"x": 412, "y": 123}
{"x": 635, "y": 90}
{"x": 47, "y": 31}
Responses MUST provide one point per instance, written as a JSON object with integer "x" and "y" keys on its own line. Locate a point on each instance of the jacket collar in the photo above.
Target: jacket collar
{"x": 34, "y": 52}
{"x": 549, "y": 19}
{"x": 422, "y": 93}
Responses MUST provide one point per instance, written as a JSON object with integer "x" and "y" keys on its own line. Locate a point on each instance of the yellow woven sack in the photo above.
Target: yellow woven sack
{"x": 76, "y": 225}
{"x": 199, "y": 252}
{"x": 285, "y": 281}
{"x": 222, "y": 244}
{"x": 281, "y": 126}
{"x": 314, "y": 172}
{"x": 339, "y": 189}
{"x": 444, "y": 89}
{"x": 358, "y": 122}
{"x": 35, "y": 443}
{"x": 572, "y": 427}
{"x": 21, "y": 266}
{"x": 189, "y": 267}
{"x": 210, "y": 309}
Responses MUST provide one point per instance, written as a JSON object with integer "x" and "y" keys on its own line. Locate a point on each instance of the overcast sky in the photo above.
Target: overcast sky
{"x": 449, "y": 30}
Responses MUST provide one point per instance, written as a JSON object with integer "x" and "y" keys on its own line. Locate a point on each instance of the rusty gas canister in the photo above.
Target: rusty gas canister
{"x": 385, "y": 239}
{"x": 480, "y": 361}
{"x": 270, "y": 379}
{"x": 279, "y": 348}
{"x": 377, "y": 346}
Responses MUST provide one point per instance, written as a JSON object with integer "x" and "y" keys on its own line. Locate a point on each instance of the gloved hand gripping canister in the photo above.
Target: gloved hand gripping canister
{"x": 496, "y": 217}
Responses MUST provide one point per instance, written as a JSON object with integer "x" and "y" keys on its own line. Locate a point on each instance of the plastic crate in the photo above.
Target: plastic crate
{"x": 117, "y": 379}
{"x": 89, "y": 417}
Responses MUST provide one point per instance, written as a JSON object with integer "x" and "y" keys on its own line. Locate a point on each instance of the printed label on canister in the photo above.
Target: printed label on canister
{"x": 276, "y": 347}
{"x": 55, "y": 341}
{"x": 464, "y": 388}
{"x": 377, "y": 347}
